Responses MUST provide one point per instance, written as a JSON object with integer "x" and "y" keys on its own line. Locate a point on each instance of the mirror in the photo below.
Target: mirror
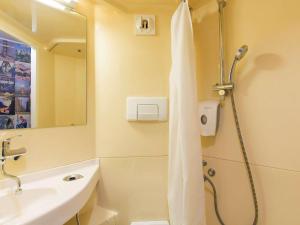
{"x": 42, "y": 64}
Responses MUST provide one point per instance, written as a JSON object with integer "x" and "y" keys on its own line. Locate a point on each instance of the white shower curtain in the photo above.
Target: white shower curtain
{"x": 186, "y": 185}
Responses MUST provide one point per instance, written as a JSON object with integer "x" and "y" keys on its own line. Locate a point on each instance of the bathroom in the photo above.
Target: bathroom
{"x": 85, "y": 122}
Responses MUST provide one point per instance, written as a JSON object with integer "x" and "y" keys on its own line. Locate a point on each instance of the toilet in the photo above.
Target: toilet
{"x": 150, "y": 223}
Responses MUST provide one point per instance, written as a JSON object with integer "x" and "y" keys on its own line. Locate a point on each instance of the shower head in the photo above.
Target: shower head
{"x": 221, "y": 3}
{"x": 242, "y": 51}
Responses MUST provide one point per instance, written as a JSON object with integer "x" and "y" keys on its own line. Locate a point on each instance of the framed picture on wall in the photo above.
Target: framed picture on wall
{"x": 7, "y": 85}
{"x": 22, "y": 104}
{"x": 7, "y": 105}
{"x": 7, "y": 67}
{"x": 23, "y": 121}
{"x": 22, "y": 86}
{"x": 7, "y": 122}
{"x": 23, "y": 53}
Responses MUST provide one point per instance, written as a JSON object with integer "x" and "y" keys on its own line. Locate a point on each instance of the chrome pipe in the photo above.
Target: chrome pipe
{"x": 228, "y": 86}
{"x": 232, "y": 70}
{"x": 221, "y": 4}
{"x": 17, "y": 179}
{"x": 15, "y": 154}
{"x": 77, "y": 219}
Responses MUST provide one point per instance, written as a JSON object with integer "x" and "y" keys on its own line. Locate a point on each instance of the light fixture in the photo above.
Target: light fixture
{"x": 53, "y": 4}
{"x": 70, "y": 1}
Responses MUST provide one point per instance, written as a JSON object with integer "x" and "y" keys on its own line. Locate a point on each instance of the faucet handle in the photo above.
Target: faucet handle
{"x": 13, "y": 137}
{"x": 16, "y": 152}
{"x": 11, "y": 153}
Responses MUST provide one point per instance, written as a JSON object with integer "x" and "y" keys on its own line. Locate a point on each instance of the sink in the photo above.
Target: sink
{"x": 47, "y": 198}
{"x": 12, "y": 204}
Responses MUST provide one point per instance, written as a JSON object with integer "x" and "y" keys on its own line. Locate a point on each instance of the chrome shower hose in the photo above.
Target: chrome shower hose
{"x": 239, "y": 132}
{"x": 244, "y": 152}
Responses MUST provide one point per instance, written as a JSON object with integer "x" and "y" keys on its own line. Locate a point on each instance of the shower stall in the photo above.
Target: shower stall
{"x": 226, "y": 88}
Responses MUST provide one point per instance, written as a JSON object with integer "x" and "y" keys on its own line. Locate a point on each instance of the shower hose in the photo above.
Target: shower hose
{"x": 237, "y": 124}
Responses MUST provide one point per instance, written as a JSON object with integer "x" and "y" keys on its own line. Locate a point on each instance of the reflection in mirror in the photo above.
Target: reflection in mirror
{"x": 42, "y": 64}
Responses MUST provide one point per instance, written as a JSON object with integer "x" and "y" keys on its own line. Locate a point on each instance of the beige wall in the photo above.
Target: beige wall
{"x": 52, "y": 147}
{"x": 134, "y": 155}
{"x": 45, "y": 106}
{"x": 267, "y": 100}
{"x": 69, "y": 101}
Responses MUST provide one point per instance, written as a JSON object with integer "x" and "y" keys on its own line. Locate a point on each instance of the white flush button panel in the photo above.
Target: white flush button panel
{"x": 145, "y": 25}
{"x": 209, "y": 117}
{"x": 147, "y": 109}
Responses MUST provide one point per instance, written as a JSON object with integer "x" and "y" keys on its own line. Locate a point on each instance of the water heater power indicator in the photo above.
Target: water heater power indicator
{"x": 203, "y": 119}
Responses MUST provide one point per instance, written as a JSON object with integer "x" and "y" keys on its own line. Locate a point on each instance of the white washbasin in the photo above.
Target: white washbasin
{"x": 12, "y": 204}
{"x": 46, "y": 199}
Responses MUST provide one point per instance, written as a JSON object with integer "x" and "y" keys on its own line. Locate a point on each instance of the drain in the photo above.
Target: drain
{"x": 73, "y": 177}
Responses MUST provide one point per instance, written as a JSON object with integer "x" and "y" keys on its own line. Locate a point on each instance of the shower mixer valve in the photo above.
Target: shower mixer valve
{"x": 223, "y": 89}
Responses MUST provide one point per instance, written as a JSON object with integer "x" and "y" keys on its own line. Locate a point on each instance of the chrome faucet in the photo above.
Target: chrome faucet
{"x": 8, "y": 153}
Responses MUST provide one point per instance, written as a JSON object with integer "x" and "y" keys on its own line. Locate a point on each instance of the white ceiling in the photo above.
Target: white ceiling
{"x": 156, "y": 2}
{"x": 136, "y": 4}
{"x": 50, "y": 23}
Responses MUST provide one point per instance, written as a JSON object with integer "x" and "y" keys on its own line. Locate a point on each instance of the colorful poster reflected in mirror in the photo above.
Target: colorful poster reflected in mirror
{"x": 15, "y": 83}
